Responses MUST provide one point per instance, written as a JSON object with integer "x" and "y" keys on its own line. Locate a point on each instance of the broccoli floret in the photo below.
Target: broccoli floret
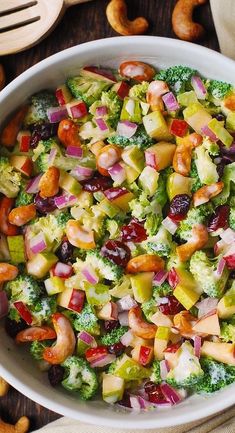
{"x": 161, "y": 196}
{"x": 140, "y": 139}
{"x": 194, "y": 175}
{"x": 106, "y": 269}
{"x": 219, "y": 89}
{"x": 113, "y": 228}
{"x": 62, "y": 162}
{"x": 23, "y": 198}
{"x": 90, "y": 219}
{"x": 211, "y": 146}
{"x": 196, "y": 215}
{"x": 156, "y": 374}
{"x": 45, "y": 146}
{"x": 63, "y": 217}
{"x": 227, "y": 330}
{"x": 163, "y": 290}
{"x": 216, "y": 376}
{"x": 161, "y": 243}
{"x": 111, "y": 100}
{"x": 10, "y": 180}
{"x": 14, "y": 315}
{"x": 139, "y": 91}
{"x": 114, "y": 336}
{"x": 40, "y": 102}
{"x": 25, "y": 289}
{"x": 227, "y": 178}
{"x": 37, "y": 348}
{"x": 42, "y": 163}
{"x": 149, "y": 308}
{"x": 86, "y": 320}
{"x": 87, "y": 89}
{"x": 44, "y": 308}
{"x": 203, "y": 270}
{"x": 152, "y": 223}
{"x": 232, "y": 218}
{"x": 80, "y": 377}
{"x": 142, "y": 206}
{"x": 174, "y": 261}
{"x": 207, "y": 170}
{"x": 51, "y": 229}
{"x": 177, "y": 77}
{"x": 188, "y": 372}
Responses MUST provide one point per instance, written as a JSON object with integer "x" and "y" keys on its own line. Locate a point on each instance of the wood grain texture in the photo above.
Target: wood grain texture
{"x": 80, "y": 24}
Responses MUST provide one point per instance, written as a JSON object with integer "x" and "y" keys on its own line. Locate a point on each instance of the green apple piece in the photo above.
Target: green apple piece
{"x": 226, "y": 305}
{"x": 129, "y": 369}
{"x": 69, "y": 183}
{"x": 108, "y": 208}
{"x": 163, "y": 333}
{"x": 97, "y": 294}
{"x": 160, "y": 345}
{"x": 81, "y": 347}
{"x": 145, "y": 107}
{"x": 41, "y": 263}
{"x": 142, "y": 286}
{"x": 220, "y": 132}
{"x": 16, "y": 248}
{"x": 149, "y": 180}
{"x": 54, "y": 285}
{"x": 222, "y": 352}
{"x": 131, "y": 174}
{"x": 178, "y": 184}
{"x": 112, "y": 388}
{"x": 122, "y": 288}
{"x": 134, "y": 157}
{"x": 162, "y": 155}
{"x": 122, "y": 201}
{"x": 187, "y": 98}
{"x": 196, "y": 116}
{"x": 230, "y": 121}
{"x": 131, "y": 110}
{"x": 85, "y": 199}
{"x": 186, "y": 291}
{"x": 156, "y": 126}
{"x": 63, "y": 298}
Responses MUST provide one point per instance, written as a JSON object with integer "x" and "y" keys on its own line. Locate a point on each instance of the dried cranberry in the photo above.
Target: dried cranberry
{"x": 179, "y": 207}
{"x": 134, "y": 232}
{"x": 117, "y": 252}
{"x": 116, "y": 349}
{"x": 219, "y": 219}
{"x": 44, "y": 205}
{"x": 220, "y": 169}
{"x": 55, "y": 374}
{"x": 65, "y": 251}
{"x": 109, "y": 325}
{"x": 42, "y": 132}
{"x": 125, "y": 401}
{"x": 97, "y": 183}
{"x": 12, "y": 327}
{"x": 219, "y": 117}
{"x": 173, "y": 348}
{"x": 150, "y": 387}
{"x": 154, "y": 392}
{"x": 172, "y": 307}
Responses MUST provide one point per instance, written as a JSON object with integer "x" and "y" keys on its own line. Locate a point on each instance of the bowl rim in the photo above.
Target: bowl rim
{"x": 211, "y": 407}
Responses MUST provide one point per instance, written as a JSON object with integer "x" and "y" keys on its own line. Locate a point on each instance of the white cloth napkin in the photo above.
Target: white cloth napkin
{"x": 224, "y": 18}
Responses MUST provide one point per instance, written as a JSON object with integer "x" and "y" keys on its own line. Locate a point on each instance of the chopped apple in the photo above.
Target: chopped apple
{"x": 69, "y": 184}
{"x": 160, "y": 155}
{"x": 131, "y": 174}
{"x": 63, "y": 95}
{"x": 23, "y": 139}
{"x": 119, "y": 197}
{"x": 156, "y": 126}
{"x": 197, "y": 116}
{"x": 54, "y": 285}
{"x": 142, "y": 354}
{"x": 178, "y": 127}
{"x": 129, "y": 369}
{"x": 133, "y": 157}
{"x": 108, "y": 208}
{"x": 221, "y": 133}
{"x": 131, "y": 110}
{"x": 149, "y": 180}
{"x": 229, "y": 257}
{"x": 72, "y": 299}
{"x": 16, "y": 248}
{"x": 122, "y": 89}
{"x": 76, "y": 109}
{"x": 161, "y": 319}
{"x": 161, "y": 341}
{"x": 178, "y": 184}
{"x": 186, "y": 290}
{"x": 226, "y": 305}
{"x": 142, "y": 284}
{"x": 22, "y": 163}
{"x": 208, "y": 324}
{"x": 108, "y": 312}
{"x": 41, "y": 263}
{"x": 98, "y": 74}
{"x": 112, "y": 388}
{"x": 222, "y": 352}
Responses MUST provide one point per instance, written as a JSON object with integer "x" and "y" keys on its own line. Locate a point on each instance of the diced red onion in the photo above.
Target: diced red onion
{"x": 163, "y": 300}
{"x": 74, "y": 151}
{"x": 210, "y": 134}
{"x": 65, "y": 200}
{"x": 52, "y": 155}
{"x": 126, "y": 303}
{"x": 150, "y": 159}
{"x": 127, "y": 338}
{"x": 170, "y": 394}
{"x": 32, "y": 187}
{"x": 135, "y": 403}
{"x": 102, "y": 125}
{"x": 220, "y": 247}
{"x": 56, "y": 114}
{"x": 160, "y": 277}
{"x": 62, "y": 270}
{"x": 170, "y": 101}
{"x": 3, "y": 304}
{"x": 220, "y": 267}
{"x": 103, "y": 360}
{"x": 144, "y": 404}
{"x": 117, "y": 173}
{"x": 90, "y": 275}
{"x": 38, "y": 244}
{"x": 170, "y": 225}
{"x": 197, "y": 345}
{"x": 87, "y": 338}
{"x": 82, "y": 173}
{"x": 101, "y": 111}
{"x": 198, "y": 87}
{"x": 126, "y": 129}
{"x": 123, "y": 318}
{"x": 173, "y": 278}
{"x": 206, "y": 306}
{"x": 130, "y": 107}
{"x": 228, "y": 236}
{"x": 164, "y": 369}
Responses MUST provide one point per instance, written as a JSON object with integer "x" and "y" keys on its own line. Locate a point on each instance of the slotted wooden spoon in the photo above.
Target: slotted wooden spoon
{"x": 23, "y": 23}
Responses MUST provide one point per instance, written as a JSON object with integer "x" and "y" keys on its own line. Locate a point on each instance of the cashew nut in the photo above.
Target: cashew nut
{"x": 21, "y": 215}
{"x": 78, "y": 236}
{"x": 49, "y": 182}
{"x": 183, "y": 153}
{"x": 205, "y": 193}
{"x": 145, "y": 263}
{"x": 197, "y": 241}
{"x": 2, "y": 77}
{"x": 65, "y": 343}
{"x": 156, "y": 89}
{"x": 7, "y": 272}
{"x": 138, "y": 326}
{"x": 107, "y": 157}
{"x": 135, "y": 70}
{"x": 68, "y": 133}
{"x": 182, "y": 20}
{"x": 9, "y": 133}
{"x": 35, "y": 333}
{"x": 117, "y": 17}
{"x": 184, "y": 322}
{"x": 22, "y": 426}
{"x": 4, "y": 387}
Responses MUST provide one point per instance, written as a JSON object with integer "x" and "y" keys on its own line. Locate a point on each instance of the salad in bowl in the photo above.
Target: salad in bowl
{"x": 117, "y": 222}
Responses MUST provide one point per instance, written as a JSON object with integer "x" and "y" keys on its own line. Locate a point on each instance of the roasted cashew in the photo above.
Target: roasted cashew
{"x": 206, "y": 192}
{"x": 156, "y": 89}
{"x": 22, "y": 426}
{"x": 49, "y": 182}
{"x": 197, "y": 241}
{"x": 145, "y": 263}
{"x": 21, "y": 215}
{"x": 138, "y": 326}
{"x": 65, "y": 343}
{"x": 117, "y": 17}
{"x": 182, "y": 20}
{"x": 2, "y": 77}
{"x": 4, "y": 387}
{"x": 9, "y": 133}
{"x": 7, "y": 273}
{"x": 35, "y": 333}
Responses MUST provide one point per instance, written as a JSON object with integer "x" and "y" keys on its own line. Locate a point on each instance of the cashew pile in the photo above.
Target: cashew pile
{"x": 4, "y": 387}
{"x": 22, "y": 426}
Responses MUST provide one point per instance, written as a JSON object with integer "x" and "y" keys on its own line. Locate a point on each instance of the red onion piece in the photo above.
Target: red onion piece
{"x": 170, "y": 225}
{"x": 220, "y": 267}
{"x": 170, "y": 394}
{"x": 3, "y": 304}
{"x": 102, "y": 125}
{"x": 87, "y": 338}
{"x": 38, "y": 243}
{"x": 56, "y": 114}
{"x": 117, "y": 173}
{"x": 90, "y": 275}
{"x": 74, "y": 151}
{"x": 103, "y": 360}
{"x": 65, "y": 200}
{"x": 198, "y": 87}
{"x": 123, "y": 318}
{"x": 150, "y": 159}
{"x": 135, "y": 403}
{"x": 126, "y": 128}
{"x": 130, "y": 107}
{"x": 197, "y": 345}
{"x": 206, "y": 306}
{"x": 160, "y": 277}
{"x": 170, "y": 101}
{"x": 52, "y": 155}
{"x": 207, "y": 131}
{"x": 82, "y": 173}
{"x": 164, "y": 369}
{"x": 228, "y": 236}
{"x": 32, "y": 187}
{"x": 126, "y": 303}
{"x": 101, "y": 111}
{"x": 127, "y": 338}
{"x": 62, "y": 270}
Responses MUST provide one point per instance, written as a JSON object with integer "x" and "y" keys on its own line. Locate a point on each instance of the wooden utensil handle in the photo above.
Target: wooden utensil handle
{"x": 69, "y": 3}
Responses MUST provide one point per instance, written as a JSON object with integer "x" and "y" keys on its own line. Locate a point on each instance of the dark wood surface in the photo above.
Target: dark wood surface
{"x": 80, "y": 24}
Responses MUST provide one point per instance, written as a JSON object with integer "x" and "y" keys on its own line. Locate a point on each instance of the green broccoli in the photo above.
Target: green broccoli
{"x": 194, "y": 175}
{"x": 86, "y": 320}
{"x": 10, "y": 179}
{"x": 156, "y": 374}
{"x": 62, "y": 162}
{"x": 23, "y": 198}
{"x": 227, "y": 178}
{"x": 174, "y": 261}
{"x": 227, "y": 330}
{"x": 211, "y": 146}
{"x": 50, "y": 227}
{"x": 187, "y": 372}
{"x": 143, "y": 206}
{"x": 39, "y": 104}
{"x": 106, "y": 269}
{"x": 113, "y": 228}
{"x": 114, "y": 336}
{"x": 196, "y": 215}
{"x": 178, "y": 77}
{"x": 13, "y": 314}
{"x": 152, "y": 223}
{"x": 232, "y": 218}
{"x": 149, "y": 308}
{"x": 87, "y": 89}
{"x": 80, "y": 377}
{"x": 161, "y": 243}
{"x": 219, "y": 89}
{"x": 207, "y": 170}
{"x": 44, "y": 308}
{"x": 161, "y": 196}
{"x": 139, "y": 91}
{"x": 37, "y": 348}
{"x": 45, "y": 146}
{"x": 203, "y": 270}
{"x": 25, "y": 289}
{"x": 63, "y": 217}
{"x": 140, "y": 139}
{"x": 113, "y": 103}
{"x": 216, "y": 376}
{"x": 163, "y": 290}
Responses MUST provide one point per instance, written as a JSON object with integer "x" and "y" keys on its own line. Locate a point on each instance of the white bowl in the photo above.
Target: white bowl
{"x": 16, "y": 366}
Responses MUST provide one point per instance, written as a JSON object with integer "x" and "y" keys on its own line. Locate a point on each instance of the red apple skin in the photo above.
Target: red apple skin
{"x": 77, "y": 300}
{"x": 123, "y": 90}
{"x": 113, "y": 193}
{"x": 145, "y": 355}
{"x": 79, "y": 110}
{"x": 178, "y": 127}
{"x": 25, "y": 143}
{"x": 60, "y": 97}
{"x": 230, "y": 261}
{"x": 94, "y": 71}
{"x": 27, "y": 167}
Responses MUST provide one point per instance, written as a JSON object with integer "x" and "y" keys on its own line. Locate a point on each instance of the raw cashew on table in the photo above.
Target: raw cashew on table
{"x": 22, "y": 426}
{"x": 182, "y": 20}
{"x": 4, "y": 387}
{"x": 117, "y": 17}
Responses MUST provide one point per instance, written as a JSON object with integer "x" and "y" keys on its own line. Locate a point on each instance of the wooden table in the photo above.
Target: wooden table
{"x": 84, "y": 23}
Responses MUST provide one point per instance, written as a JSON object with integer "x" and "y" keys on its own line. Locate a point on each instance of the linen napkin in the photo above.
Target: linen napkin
{"x": 223, "y": 12}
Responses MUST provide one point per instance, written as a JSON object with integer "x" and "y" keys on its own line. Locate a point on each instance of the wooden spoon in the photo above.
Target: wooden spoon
{"x": 23, "y": 23}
